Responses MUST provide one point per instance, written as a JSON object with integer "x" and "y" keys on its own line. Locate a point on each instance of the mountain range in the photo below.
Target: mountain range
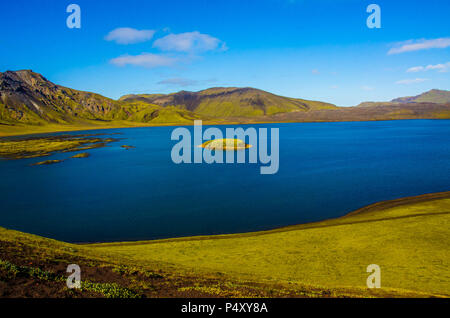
{"x": 435, "y": 96}
{"x": 29, "y": 99}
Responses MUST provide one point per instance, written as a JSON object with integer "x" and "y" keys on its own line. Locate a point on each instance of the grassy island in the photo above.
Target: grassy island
{"x": 127, "y": 147}
{"x": 46, "y": 162}
{"x": 81, "y": 155}
{"x": 225, "y": 144}
{"x": 32, "y": 147}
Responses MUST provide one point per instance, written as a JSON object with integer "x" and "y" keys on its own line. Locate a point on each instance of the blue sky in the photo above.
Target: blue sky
{"x": 313, "y": 49}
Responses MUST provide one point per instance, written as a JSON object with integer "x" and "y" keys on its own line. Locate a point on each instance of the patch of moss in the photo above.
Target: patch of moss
{"x": 109, "y": 290}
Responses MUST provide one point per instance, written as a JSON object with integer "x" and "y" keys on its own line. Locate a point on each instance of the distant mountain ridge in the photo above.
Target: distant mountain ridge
{"x": 28, "y": 98}
{"x": 433, "y": 96}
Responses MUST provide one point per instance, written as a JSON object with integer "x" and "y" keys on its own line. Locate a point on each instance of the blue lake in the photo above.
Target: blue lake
{"x": 326, "y": 170}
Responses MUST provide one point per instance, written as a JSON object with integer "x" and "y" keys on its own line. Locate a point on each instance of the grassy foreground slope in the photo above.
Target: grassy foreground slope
{"x": 409, "y": 241}
{"x": 407, "y": 238}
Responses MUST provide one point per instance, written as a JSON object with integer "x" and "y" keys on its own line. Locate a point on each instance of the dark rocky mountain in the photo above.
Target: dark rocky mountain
{"x": 30, "y": 98}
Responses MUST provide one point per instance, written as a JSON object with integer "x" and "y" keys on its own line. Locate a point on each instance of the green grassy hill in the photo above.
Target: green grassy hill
{"x": 433, "y": 96}
{"x": 230, "y": 102}
{"x": 407, "y": 238}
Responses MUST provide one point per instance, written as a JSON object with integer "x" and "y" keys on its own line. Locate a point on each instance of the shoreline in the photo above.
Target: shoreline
{"x": 337, "y": 221}
{"x": 286, "y": 264}
{"x": 381, "y": 205}
{"x": 69, "y": 128}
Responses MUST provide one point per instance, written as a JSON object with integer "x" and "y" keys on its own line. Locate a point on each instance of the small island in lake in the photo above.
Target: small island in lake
{"x": 47, "y": 162}
{"x": 225, "y": 144}
{"x": 82, "y": 155}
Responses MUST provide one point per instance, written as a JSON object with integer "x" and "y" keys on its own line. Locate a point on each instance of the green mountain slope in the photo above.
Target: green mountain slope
{"x": 433, "y": 96}
{"x": 230, "y": 102}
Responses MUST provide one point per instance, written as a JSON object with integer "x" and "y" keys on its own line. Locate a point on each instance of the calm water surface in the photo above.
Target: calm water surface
{"x": 326, "y": 170}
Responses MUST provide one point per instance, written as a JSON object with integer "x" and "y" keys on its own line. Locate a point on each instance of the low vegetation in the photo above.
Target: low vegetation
{"x": 407, "y": 238}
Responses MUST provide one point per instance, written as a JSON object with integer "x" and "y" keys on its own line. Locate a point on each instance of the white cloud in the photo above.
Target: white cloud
{"x": 367, "y": 88}
{"x": 435, "y": 67}
{"x": 129, "y": 35}
{"x": 315, "y": 72}
{"x": 148, "y": 60}
{"x": 415, "y": 69}
{"x": 411, "y": 81}
{"x": 417, "y": 45}
{"x": 439, "y": 67}
{"x": 191, "y": 42}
